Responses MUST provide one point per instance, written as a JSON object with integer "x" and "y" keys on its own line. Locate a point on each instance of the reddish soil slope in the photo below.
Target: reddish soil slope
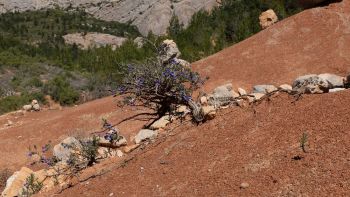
{"x": 242, "y": 146}
{"x": 37, "y": 128}
{"x": 314, "y": 41}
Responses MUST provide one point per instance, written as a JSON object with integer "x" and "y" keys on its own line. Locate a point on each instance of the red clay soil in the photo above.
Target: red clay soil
{"x": 37, "y": 128}
{"x": 259, "y": 146}
{"x": 314, "y": 41}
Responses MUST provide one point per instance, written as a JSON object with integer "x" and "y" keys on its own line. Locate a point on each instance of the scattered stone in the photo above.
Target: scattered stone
{"x": 311, "y": 84}
{"x": 168, "y": 50}
{"x": 116, "y": 143}
{"x": 15, "y": 183}
{"x": 9, "y": 123}
{"x": 204, "y": 100}
{"x": 222, "y": 95}
{"x": 183, "y": 63}
{"x": 182, "y": 110}
{"x": 244, "y": 185}
{"x": 334, "y": 81}
{"x": 34, "y": 102}
{"x": 161, "y": 123}
{"x": 128, "y": 149}
{"x": 121, "y": 142}
{"x": 336, "y": 90}
{"x": 264, "y": 89}
{"x": 103, "y": 152}
{"x": 145, "y": 134}
{"x": 139, "y": 42}
{"x": 209, "y": 112}
{"x": 63, "y": 150}
{"x": 255, "y": 96}
{"x": 242, "y": 92}
{"x": 36, "y": 107}
{"x": 35, "y": 159}
{"x": 27, "y": 107}
{"x": 49, "y": 178}
{"x": 286, "y": 87}
{"x": 119, "y": 153}
{"x": 268, "y": 18}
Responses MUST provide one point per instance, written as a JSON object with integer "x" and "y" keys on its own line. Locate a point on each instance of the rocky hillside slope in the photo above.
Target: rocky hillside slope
{"x": 147, "y": 15}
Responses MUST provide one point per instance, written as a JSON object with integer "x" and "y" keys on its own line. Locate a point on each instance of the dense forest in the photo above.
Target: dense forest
{"x": 34, "y": 61}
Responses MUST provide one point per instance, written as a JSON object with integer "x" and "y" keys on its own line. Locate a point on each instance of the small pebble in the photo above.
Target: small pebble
{"x": 244, "y": 185}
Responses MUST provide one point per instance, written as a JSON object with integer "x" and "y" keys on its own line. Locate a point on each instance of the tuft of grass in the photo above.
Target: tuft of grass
{"x": 31, "y": 186}
{"x": 303, "y": 142}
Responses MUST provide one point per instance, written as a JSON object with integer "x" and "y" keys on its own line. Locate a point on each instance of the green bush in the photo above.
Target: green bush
{"x": 12, "y": 103}
{"x": 61, "y": 91}
{"x": 225, "y": 25}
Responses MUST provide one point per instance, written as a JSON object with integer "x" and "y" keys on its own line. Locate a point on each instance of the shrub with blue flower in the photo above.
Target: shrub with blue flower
{"x": 159, "y": 86}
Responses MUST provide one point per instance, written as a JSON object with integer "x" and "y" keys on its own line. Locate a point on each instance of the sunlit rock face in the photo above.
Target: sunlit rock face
{"x": 147, "y": 15}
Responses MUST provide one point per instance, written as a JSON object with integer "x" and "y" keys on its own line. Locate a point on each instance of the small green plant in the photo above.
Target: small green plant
{"x": 83, "y": 154}
{"x": 303, "y": 142}
{"x": 89, "y": 150}
{"x": 31, "y": 186}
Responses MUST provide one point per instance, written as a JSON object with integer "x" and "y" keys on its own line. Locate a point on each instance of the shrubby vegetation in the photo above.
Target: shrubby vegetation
{"x": 159, "y": 86}
{"x": 230, "y": 23}
{"x": 33, "y": 53}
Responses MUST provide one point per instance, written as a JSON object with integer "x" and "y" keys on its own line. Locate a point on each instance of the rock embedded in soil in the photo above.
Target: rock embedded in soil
{"x": 242, "y": 92}
{"x": 311, "y": 84}
{"x": 36, "y": 107}
{"x": 161, "y": 123}
{"x": 286, "y": 87}
{"x": 334, "y": 81}
{"x": 145, "y": 134}
{"x": 128, "y": 149}
{"x": 209, "y": 112}
{"x": 244, "y": 185}
{"x": 264, "y": 89}
{"x": 64, "y": 150}
{"x": 222, "y": 95}
{"x": 336, "y": 90}
{"x": 15, "y": 183}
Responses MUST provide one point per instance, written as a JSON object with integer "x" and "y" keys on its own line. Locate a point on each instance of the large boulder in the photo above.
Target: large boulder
{"x": 168, "y": 50}
{"x": 145, "y": 134}
{"x": 15, "y": 183}
{"x": 267, "y": 18}
{"x": 64, "y": 150}
{"x": 311, "y": 84}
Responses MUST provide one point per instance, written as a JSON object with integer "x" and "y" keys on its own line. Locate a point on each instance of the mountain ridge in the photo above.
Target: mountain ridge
{"x": 148, "y": 15}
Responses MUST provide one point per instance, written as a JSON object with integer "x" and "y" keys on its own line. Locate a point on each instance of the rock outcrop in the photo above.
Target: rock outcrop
{"x": 147, "y": 15}
{"x": 267, "y": 18}
{"x": 93, "y": 40}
